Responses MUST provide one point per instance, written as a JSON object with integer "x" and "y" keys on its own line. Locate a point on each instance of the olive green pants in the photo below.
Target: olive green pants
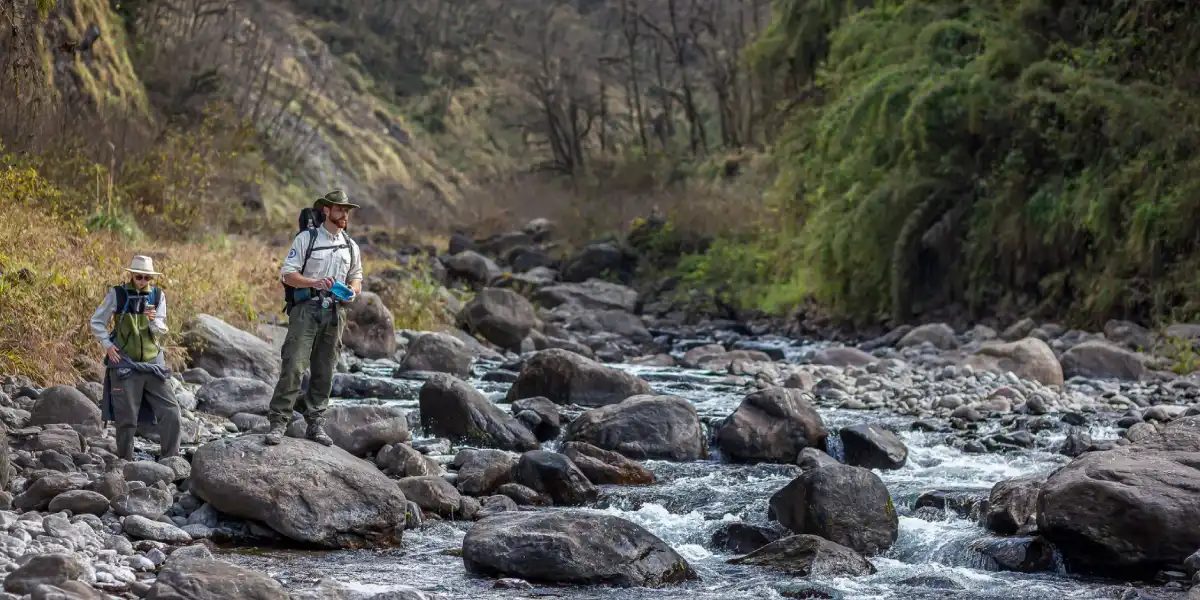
{"x": 313, "y": 338}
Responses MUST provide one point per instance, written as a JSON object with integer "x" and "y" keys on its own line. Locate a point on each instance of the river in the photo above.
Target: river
{"x": 932, "y": 559}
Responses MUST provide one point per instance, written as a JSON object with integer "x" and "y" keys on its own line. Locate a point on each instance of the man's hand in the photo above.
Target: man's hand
{"x": 150, "y": 313}
{"x": 114, "y": 355}
{"x": 323, "y": 283}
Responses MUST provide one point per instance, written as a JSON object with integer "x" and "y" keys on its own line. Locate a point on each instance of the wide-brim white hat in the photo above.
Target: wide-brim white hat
{"x": 143, "y": 265}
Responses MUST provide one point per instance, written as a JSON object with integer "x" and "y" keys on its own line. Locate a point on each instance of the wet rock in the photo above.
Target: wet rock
{"x": 847, "y": 505}
{"x": 67, "y": 405}
{"x": 811, "y": 458}
{"x": 1102, "y": 360}
{"x": 228, "y": 396}
{"x": 437, "y": 353}
{"x": 433, "y": 494}
{"x": 568, "y": 378}
{"x": 1111, "y": 512}
{"x": 226, "y": 351}
{"x": 370, "y": 329}
{"x": 494, "y": 505}
{"x": 522, "y": 495}
{"x": 571, "y": 548}
{"x": 45, "y": 569}
{"x": 1028, "y": 358}
{"x": 405, "y": 461}
{"x": 454, "y": 409}
{"x": 1012, "y": 505}
{"x": 481, "y": 472}
{"x": 643, "y": 427}
{"x": 1022, "y": 555}
{"x": 362, "y": 430}
{"x": 961, "y": 503}
{"x": 501, "y": 316}
{"x": 556, "y": 477}
{"x": 604, "y": 467}
{"x": 68, "y": 590}
{"x": 1076, "y": 443}
{"x": 540, "y": 415}
{"x": 305, "y": 491}
{"x": 354, "y": 385}
{"x": 772, "y": 425}
{"x": 743, "y": 538}
{"x": 196, "y": 579}
{"x": 870, "y": 445}
{"x": 805, "y": 555}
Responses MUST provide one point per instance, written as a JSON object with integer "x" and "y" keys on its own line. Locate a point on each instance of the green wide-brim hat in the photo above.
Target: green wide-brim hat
{"x": 336, "y": 198}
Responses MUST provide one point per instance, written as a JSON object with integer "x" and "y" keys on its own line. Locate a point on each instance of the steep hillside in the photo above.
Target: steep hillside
{"x": 318, "y": 124}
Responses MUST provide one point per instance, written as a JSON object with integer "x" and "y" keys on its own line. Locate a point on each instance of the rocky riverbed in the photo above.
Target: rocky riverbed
{"x": 574, "y": 449}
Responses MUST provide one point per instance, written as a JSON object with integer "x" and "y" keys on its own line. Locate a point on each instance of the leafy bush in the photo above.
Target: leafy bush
{"x": 996, "y": 156}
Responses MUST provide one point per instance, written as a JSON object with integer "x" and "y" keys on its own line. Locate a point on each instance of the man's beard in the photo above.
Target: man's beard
{"x": 341, "y": 223}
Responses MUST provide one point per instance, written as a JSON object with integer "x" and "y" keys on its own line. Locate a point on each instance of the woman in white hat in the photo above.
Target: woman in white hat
{"x": 132, "y": 350}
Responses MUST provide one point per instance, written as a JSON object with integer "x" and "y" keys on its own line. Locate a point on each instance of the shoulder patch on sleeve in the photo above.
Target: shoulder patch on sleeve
{"x": 292, "y": 253}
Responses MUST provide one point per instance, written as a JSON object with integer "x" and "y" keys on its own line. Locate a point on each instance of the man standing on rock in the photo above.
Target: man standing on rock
{"x": 136, "y": 369}
{"x": 317, "y": 260}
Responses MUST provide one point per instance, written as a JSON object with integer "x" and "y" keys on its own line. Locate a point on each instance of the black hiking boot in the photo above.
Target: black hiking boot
{"x": 275, "y": 436}
{"x": 316, "y": 433}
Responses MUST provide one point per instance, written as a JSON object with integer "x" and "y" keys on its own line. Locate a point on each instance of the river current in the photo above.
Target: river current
{"x": 934, "y": 557}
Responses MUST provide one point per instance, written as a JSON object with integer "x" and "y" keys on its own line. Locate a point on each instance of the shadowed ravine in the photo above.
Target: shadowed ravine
{"x": 932, "y": 558}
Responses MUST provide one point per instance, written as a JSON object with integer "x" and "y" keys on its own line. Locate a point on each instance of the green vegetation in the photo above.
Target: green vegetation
{"x": 1028, "y": 155}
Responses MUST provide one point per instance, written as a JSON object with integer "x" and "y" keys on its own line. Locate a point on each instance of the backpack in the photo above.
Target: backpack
{"x": 310, "y": 219}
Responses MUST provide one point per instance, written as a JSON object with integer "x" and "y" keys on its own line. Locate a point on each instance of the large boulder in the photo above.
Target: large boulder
{"x": 1127, "y": 510}
{"x": 571, "y": 548}
{"x": 208, "y": 579}
{"x": 772, "y": 425}
{"x": 370, "y": 330}
{"x": 1028, "y": 358}
{"x": 45, "y": 569}
{"x": 1101, "y": 360}
{"x": 452, "y": 408}
{"x": 843, "y": 504}
{"x": 362, "y": 430}
{"x": 502, "y": 316}
{"x": 226, "y": 351}
{"x": 66, "y": 405}
{"x": 229, "y": 396}
{"x": 437, "y": 352}
{"x": 305, "y": 491}
{"x": 592, "y": 294}
{"x": 644, "y": 427}
{"x": 940, "y": 335}
{"x": 472, "y": 267}
{"x": 599, "y": 260}
{"x": 872, "y": 446}
{"x": 568, "y": 378}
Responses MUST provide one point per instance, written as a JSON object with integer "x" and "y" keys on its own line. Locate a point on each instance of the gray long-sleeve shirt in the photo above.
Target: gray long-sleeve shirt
{"x": 104, "y": 313}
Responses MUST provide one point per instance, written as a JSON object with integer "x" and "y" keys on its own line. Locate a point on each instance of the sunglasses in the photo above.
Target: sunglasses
{"x": 143, "y": 278}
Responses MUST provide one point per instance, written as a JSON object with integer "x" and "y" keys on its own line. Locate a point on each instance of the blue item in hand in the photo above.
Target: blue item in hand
{"x": 342, "y": 292}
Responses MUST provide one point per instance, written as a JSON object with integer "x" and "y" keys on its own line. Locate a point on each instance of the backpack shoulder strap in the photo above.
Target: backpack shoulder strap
{"x": 312, "y": 241}
{"x": 122, "y": 298}
{"x": 156, "y": 297}
{"x": 353, "y": 252}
